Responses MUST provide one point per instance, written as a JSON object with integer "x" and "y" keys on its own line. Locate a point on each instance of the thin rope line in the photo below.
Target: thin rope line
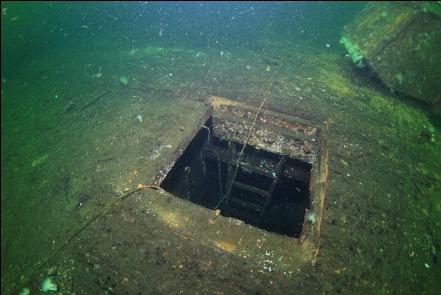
{"x": 241, "y": 152}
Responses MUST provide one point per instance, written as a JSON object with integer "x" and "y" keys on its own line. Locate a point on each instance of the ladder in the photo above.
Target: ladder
{"x": 255, "y": 208}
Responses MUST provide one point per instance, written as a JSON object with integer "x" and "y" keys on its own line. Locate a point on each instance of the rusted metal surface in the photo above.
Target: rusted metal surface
{"x": 318, "y": 189}
{"x": 401, "y": 43}
{"x": 249, "y": 163}
{"x": 268, "y": 117}
{"x": 170, "y": 162}
{"x": 283, "y": 135}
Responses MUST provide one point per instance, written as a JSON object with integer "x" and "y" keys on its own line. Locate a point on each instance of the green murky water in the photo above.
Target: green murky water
{"x": 76, "y": 137}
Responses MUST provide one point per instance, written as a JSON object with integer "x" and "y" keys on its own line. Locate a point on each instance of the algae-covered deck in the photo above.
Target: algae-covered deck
{"x": 164, "y": 185}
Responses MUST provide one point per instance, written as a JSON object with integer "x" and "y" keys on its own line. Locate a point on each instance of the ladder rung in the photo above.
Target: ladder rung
{"x": 215, "y": 153}
{"x": 247, "y": 204}
{"x": 250, "y": 188}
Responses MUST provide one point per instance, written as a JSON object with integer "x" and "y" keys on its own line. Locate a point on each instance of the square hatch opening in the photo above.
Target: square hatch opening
{"x": 259, "y": 170}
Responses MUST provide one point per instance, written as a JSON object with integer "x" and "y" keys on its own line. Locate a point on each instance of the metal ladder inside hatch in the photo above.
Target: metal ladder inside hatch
{"x": 252, "y": 209}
